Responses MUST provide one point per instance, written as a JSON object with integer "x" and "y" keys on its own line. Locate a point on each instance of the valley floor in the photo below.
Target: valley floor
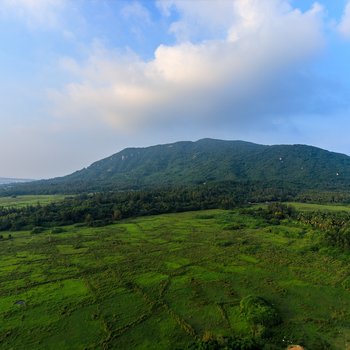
{"x": 168, "y": 281}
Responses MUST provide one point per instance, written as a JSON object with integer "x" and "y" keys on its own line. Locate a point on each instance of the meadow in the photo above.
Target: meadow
{"x": 171, "y": 281}
{"x": 23, "y": 201}
{"x": 319, "y": 207}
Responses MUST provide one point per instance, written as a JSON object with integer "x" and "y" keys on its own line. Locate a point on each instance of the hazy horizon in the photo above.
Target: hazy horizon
{"x": 82, "y": 80}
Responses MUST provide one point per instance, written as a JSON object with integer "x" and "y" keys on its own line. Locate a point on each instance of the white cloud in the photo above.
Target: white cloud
{"x": 344, "y": 25}
{"x": 248, "y": 66}
{"x": 34, "y": 12}
{"x": 206, "y": 18}
{"x": 136, "y": 11}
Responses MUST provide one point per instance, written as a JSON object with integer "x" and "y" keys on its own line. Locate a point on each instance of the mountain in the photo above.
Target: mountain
{"x": 207, "y": 160}
{"x": 6, "y": 180}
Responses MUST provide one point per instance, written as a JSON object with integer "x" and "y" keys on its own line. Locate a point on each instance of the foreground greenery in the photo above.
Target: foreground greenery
{"x": 234, "y": 279}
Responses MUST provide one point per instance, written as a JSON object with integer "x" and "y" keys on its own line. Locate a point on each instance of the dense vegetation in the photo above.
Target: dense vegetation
{"x": 103, "y": 208}
{"x": 237, "y": 279}
{"x": 296, "y": 167}
{"x": 334, "y": 225}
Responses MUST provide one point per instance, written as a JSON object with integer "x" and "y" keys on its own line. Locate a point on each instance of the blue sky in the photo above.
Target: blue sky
{"x": 83, "y": 79}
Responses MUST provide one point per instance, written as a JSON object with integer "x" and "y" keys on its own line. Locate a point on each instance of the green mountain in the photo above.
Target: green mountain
{"x": 204, "y": 161}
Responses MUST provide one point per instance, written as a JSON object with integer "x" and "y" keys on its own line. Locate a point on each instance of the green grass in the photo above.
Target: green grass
{"x": 23, "y": 201}
{"x": 163, "y": 282}
{"x": 320, "y": 207}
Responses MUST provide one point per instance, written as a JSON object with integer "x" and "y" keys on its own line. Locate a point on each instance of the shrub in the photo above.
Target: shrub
{"x": 37, "y": 230}
{"x": 228, "y": 343}
{"x": 57, "y": 230}
{"x": 258, "y": 311}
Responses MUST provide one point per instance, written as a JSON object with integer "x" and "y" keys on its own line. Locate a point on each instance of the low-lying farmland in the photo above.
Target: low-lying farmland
{"x": 169, "y": 282}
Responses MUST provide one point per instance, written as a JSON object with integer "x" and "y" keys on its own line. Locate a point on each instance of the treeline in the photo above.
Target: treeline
{"x": 254, "y": 191}
{"x": 99, "y": 209}
{"x": 274, "y": 212}
{"x": 106, "y": 207}
{"x": 323, "y": 197}
{"x": 334, "y": 226}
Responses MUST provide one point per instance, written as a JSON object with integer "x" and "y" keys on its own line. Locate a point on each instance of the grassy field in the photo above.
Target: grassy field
{"x": 167, "y": 281}
{"x": 320, "y": 207}
{"x": 22, "y": 201}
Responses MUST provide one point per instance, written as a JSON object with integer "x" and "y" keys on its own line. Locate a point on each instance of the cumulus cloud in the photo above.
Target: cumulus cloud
{"x": 246, "y": 63}
{"x": 209, "y": 19}
{"x": 344, "y": 25}
{"x": 34, "y": 12}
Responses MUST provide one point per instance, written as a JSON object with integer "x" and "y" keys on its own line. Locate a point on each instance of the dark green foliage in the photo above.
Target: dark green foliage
{"x": 258, "y": 311}
{"x": 335, "y": 226}
{"x": 58, "y": 230}
{"x": 37, "y": 230}
{"x": 280, "y": 211}
{"x": 101, "y": 209}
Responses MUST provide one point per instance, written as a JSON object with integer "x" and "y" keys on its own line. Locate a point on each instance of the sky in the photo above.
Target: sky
{"x": 83, "y": 79}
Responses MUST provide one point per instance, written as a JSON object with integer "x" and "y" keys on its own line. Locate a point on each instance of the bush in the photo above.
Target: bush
{"x": 101, "y": 223}
{"x": 227, "y": 343}
{"x": 258, "y": 311}
{"x": 280, "y": 211}
{"x": 37, "y": 230}
{"x": 57, "y": 230}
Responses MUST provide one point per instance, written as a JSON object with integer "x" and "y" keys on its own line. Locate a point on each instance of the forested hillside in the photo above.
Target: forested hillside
{"x": 204, "y": 161}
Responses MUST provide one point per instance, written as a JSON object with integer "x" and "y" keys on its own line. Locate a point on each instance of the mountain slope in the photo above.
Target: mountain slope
{"x": 208, "y": 160}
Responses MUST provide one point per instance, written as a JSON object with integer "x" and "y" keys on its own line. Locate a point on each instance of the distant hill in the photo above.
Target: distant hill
{"x": 5, "y": 180}
{"x": 204, "y": 161}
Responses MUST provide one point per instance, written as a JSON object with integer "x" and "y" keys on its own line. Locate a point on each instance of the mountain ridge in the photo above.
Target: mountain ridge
{"x": 207, "y": 160}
